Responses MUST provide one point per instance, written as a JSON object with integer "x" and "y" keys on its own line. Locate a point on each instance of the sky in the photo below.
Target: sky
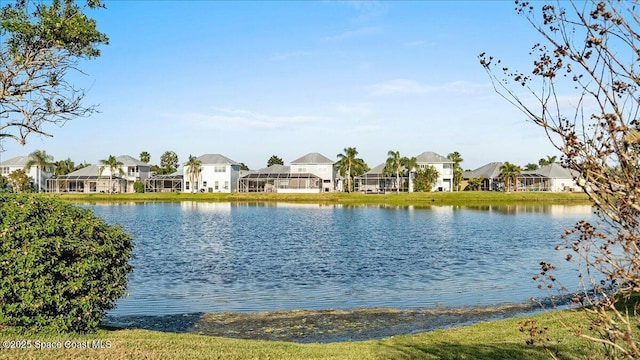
{"x": 253, "y": 79}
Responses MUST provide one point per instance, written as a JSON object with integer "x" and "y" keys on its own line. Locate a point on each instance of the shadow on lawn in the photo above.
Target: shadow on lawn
{"x": 458, "y": 351}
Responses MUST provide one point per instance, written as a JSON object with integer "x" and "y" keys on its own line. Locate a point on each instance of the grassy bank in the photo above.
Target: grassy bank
{"x": 487, "y": 340}
{"x": 464, "y": 198}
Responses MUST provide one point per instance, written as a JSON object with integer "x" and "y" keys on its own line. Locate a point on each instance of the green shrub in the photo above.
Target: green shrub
{"x": 61, "y": 268}
{"x": 138, "y": 187}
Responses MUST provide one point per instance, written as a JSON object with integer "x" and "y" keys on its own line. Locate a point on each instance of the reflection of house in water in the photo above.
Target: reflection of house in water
{"x": 206, "y": 206}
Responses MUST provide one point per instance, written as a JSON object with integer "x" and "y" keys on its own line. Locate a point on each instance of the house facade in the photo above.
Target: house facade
{"x": 38, "y": 176}
{"x": 100, "y": 179}
{"x": 318, "y": 165}
{"x": 444, "y": 167}
{"x": 279, "y": 179}
{"x": 218, "y": 173}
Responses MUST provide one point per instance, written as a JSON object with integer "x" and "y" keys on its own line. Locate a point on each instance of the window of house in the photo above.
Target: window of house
{"x": 186, "y": 185}
{"x": 93, "y": 186}
{"x": 204, "y": 184}
{"x": 217, "y": 185}
{"x": 220, "y": 169}
{"x": 226, "y": 185}
{"x": 4, "y": 170}
{"x": 302, "y": 169}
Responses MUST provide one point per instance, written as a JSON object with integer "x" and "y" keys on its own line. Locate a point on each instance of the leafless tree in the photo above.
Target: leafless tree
{"x": 583, "y": 92}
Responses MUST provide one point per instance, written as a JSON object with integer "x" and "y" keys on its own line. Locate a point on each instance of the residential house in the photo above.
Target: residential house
{"x": 165, "y": 183}
{"x": 444, "y": 167}
{"x": 318, "y": 165}
{"x": 132, "y": 170}
{"x": 552, "y": 177}
{"x": 38, "y": 176}
{"x": 86, "y": 180}
{"x": 99, "y": 179}
{"x": 490, "y": 175}
{"x": 374, "y": 181}
{"x": 218, "y": 173}
{"x": 278, "y": 178}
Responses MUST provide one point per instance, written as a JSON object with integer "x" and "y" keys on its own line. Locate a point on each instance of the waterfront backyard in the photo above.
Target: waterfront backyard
{"x": 357, "y": 276}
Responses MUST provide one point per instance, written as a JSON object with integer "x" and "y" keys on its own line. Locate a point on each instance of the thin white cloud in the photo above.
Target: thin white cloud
{"x": 239, "y": 118}
{"x": 407, "y": 86}
{"x": 354, "y": 109}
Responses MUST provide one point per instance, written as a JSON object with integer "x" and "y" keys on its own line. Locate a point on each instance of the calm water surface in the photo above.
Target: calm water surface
{"x": 206, "y": 257}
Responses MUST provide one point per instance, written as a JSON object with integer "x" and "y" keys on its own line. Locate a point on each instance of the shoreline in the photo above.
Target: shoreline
{"x": 322, "y": 326}
{"x": 463, "y": 198}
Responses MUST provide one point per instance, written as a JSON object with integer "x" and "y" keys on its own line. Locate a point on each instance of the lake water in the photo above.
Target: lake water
{"x": 210, "y": 257}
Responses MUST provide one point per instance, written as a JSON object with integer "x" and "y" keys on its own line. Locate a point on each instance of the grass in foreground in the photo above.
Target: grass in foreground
{"x": 487, "y": 340}
{"x": 463, "y": 198}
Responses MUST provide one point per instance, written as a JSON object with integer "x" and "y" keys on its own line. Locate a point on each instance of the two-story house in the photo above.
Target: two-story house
{"x": 217, "y": 173}
{"x": 38, "y": 176}
{"x": 444, "y": 167}
{"x": 318, "y": 165}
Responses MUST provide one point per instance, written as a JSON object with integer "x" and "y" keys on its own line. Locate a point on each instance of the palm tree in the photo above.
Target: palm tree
{"x": 43, "y": 162}
{"x": 145, "y": 157}
{"x": 63, "y": 167}
{"x": 114, "y": 165}
{"x": 548, "y": 161}
{"x": 457, "y": 169}
{"x": 393, "y": 165}
{"x": 193, "y": 166}
{"x": 426, "y": 178}
{"x": 350, "y": 166}
{"x": 410, "y": 164}
{"x": 531, "y": 167}
{"x": 510, "y": 173}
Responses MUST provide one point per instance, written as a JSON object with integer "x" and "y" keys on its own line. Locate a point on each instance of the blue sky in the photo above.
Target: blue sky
{"x": 252, "y": 79}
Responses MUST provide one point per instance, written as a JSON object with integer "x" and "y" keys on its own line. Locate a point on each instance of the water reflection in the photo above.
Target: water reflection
{"x": 201, "y": 257}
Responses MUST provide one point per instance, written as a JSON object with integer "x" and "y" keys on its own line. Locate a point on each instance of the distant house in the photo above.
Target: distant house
{"x": 279, "y": 179}
{"x": 99, "y": 179}
{"x": 374, "y": 181}
{"x": 490, "y": 175}
{"x": 444, "y": 167}
{"x": 165, "y": 183}
{"x": 86, "y": 180}
{"x": 318, "y": 165}
{"x": 218, "y": 174}
{"x": 38, "y": 176}
{"x": 552, "y": 177}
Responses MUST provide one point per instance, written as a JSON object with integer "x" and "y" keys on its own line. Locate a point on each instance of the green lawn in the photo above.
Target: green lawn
{"x": 464, "y": 198}
{"x": 486, "y": 340}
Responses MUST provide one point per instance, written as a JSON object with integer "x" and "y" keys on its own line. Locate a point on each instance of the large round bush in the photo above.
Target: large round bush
{"x": 61, "y": 268}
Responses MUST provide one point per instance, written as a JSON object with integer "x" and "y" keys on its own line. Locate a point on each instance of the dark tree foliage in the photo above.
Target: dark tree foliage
{"x": 61, "y": 267}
